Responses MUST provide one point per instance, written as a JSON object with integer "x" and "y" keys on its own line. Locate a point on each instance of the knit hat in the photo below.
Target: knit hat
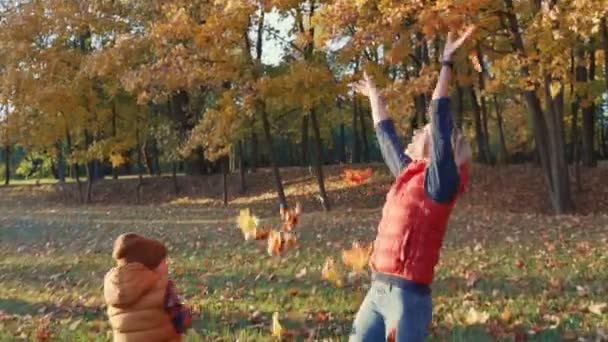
{"x": 131, "y": 247}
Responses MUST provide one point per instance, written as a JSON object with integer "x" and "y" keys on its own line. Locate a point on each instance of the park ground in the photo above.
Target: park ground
{"x": 509, "y": 271}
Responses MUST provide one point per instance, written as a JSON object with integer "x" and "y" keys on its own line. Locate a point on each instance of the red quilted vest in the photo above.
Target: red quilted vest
{"x": 412, "y": 228}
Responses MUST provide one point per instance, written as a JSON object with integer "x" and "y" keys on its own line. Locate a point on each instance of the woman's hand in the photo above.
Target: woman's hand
{"x": 366, "y": 87}
{"x": 453, "y": 44}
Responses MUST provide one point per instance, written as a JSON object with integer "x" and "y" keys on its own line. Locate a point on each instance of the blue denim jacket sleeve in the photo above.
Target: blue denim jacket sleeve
{"x": 441, "y": 180}
{"x": 391, "y": 147}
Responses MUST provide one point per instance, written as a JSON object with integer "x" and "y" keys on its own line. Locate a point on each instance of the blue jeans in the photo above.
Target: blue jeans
{"x": 387, "y": 308}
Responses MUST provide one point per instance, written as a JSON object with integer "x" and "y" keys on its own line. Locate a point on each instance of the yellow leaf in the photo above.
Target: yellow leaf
{"x": 476, "y": 317}
{"x": 248, "y": 224}
{"x": 277, "y": 329}
{"x": 330, "y": 273}
{"x": 356, "y": 257}
{"x": 555, "y": 88}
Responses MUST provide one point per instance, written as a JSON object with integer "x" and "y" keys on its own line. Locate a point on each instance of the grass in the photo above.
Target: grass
{"x": 535, "y": 276}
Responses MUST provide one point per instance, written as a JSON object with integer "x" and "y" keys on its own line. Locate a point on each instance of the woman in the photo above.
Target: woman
{"x": 429, "y": 177}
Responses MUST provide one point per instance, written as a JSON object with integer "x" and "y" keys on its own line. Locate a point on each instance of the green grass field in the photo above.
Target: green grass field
{"x": 503, "y": 276}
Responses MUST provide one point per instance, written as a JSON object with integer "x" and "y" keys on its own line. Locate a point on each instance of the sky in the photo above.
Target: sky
{"x": 274, "y": 48}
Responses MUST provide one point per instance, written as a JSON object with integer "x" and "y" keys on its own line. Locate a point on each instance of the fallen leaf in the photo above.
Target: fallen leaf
{"x": 74, "y": 325}
{"x": 597, "y": 308}
{"x": 322, "y": 316}
{"x": 302, "y": 273}
{"x": 505, "y": 316}
{"x": 43, "y": 333}
{"x": 476, "y": 317}
{"x": 569, "y": 335}
{"x": 582, "y": 291}
{"x": 472, "y": 278}
{"x": 277, "y": 329}
{"x": 293, "y": 291}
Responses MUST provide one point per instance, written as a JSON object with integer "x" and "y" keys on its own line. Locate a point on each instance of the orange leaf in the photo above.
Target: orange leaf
{"x": 357, "y": 177}
{"x": 356, "y": 257}
{"x": 262, "y": 234}
{"x": 274, "y": 243}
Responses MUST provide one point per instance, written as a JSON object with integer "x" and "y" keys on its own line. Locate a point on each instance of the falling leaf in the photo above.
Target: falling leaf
{"x": 597, "y": 308}
{"x": 357, "y": 257}
{"x": 275, "y": 243}
{"x": 290, "y": 240}
{"x": 290, "y": 217}
{"x": 555, "y": 88}
{"x": 475, "y": 61}
{"x": 357, "y": 177}
{"x": 248, "y": 224}
{"x": 392, "y": 335}
{"x": 330, "y": 273}
{"x": 262, "y": 234}
{"x": 476, "y": 317}
{"x": 277, "y": 329}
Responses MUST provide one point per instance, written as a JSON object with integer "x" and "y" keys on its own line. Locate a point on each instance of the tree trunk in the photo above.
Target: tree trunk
{"x": 557, "y": 187}
{"x": 304, "y": 147}
{"x": 75, "y": 168}
{"x": 7, "y": 164}
{"x": 421, "y": 110}
{"x": 355, "y": 156}
{"x": 225, "y": 164}
{"x": 254, "y": 152}
{"x": 482, "y": 144}
{"x": 484, "y": 120}
{"x": 90, "y": 169}
{"x": 60, "y": 162}
{"x": 502, "y": 148}
{"x": 588, "y": 155}
{"x": 241, "y": 156}
{"x": 342, "y": 152}
{"x": 319, "y": 161}
{"x": 459, "y": 107}
{"x": 554, "y": 117}
{"x": 605, "y": 48}
{"x": 364, "y": 136}
{"x": 273, "y": 163}
{"x": 114, "y": 132}
{"x": 140, "y": 164}
{"x": 174, "y": 177}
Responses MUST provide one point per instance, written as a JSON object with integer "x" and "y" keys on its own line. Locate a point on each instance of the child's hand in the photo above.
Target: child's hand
{"x": 162, "y": 269}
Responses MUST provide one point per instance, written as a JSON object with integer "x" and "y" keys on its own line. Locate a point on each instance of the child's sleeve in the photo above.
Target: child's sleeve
{"x": 180, "y": 314}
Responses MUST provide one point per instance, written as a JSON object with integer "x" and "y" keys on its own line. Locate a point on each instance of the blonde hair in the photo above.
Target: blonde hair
{"x": 460, "y": 146}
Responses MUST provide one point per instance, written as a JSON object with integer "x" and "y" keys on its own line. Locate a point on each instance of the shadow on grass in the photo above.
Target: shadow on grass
{"x": 21, "y": 307}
